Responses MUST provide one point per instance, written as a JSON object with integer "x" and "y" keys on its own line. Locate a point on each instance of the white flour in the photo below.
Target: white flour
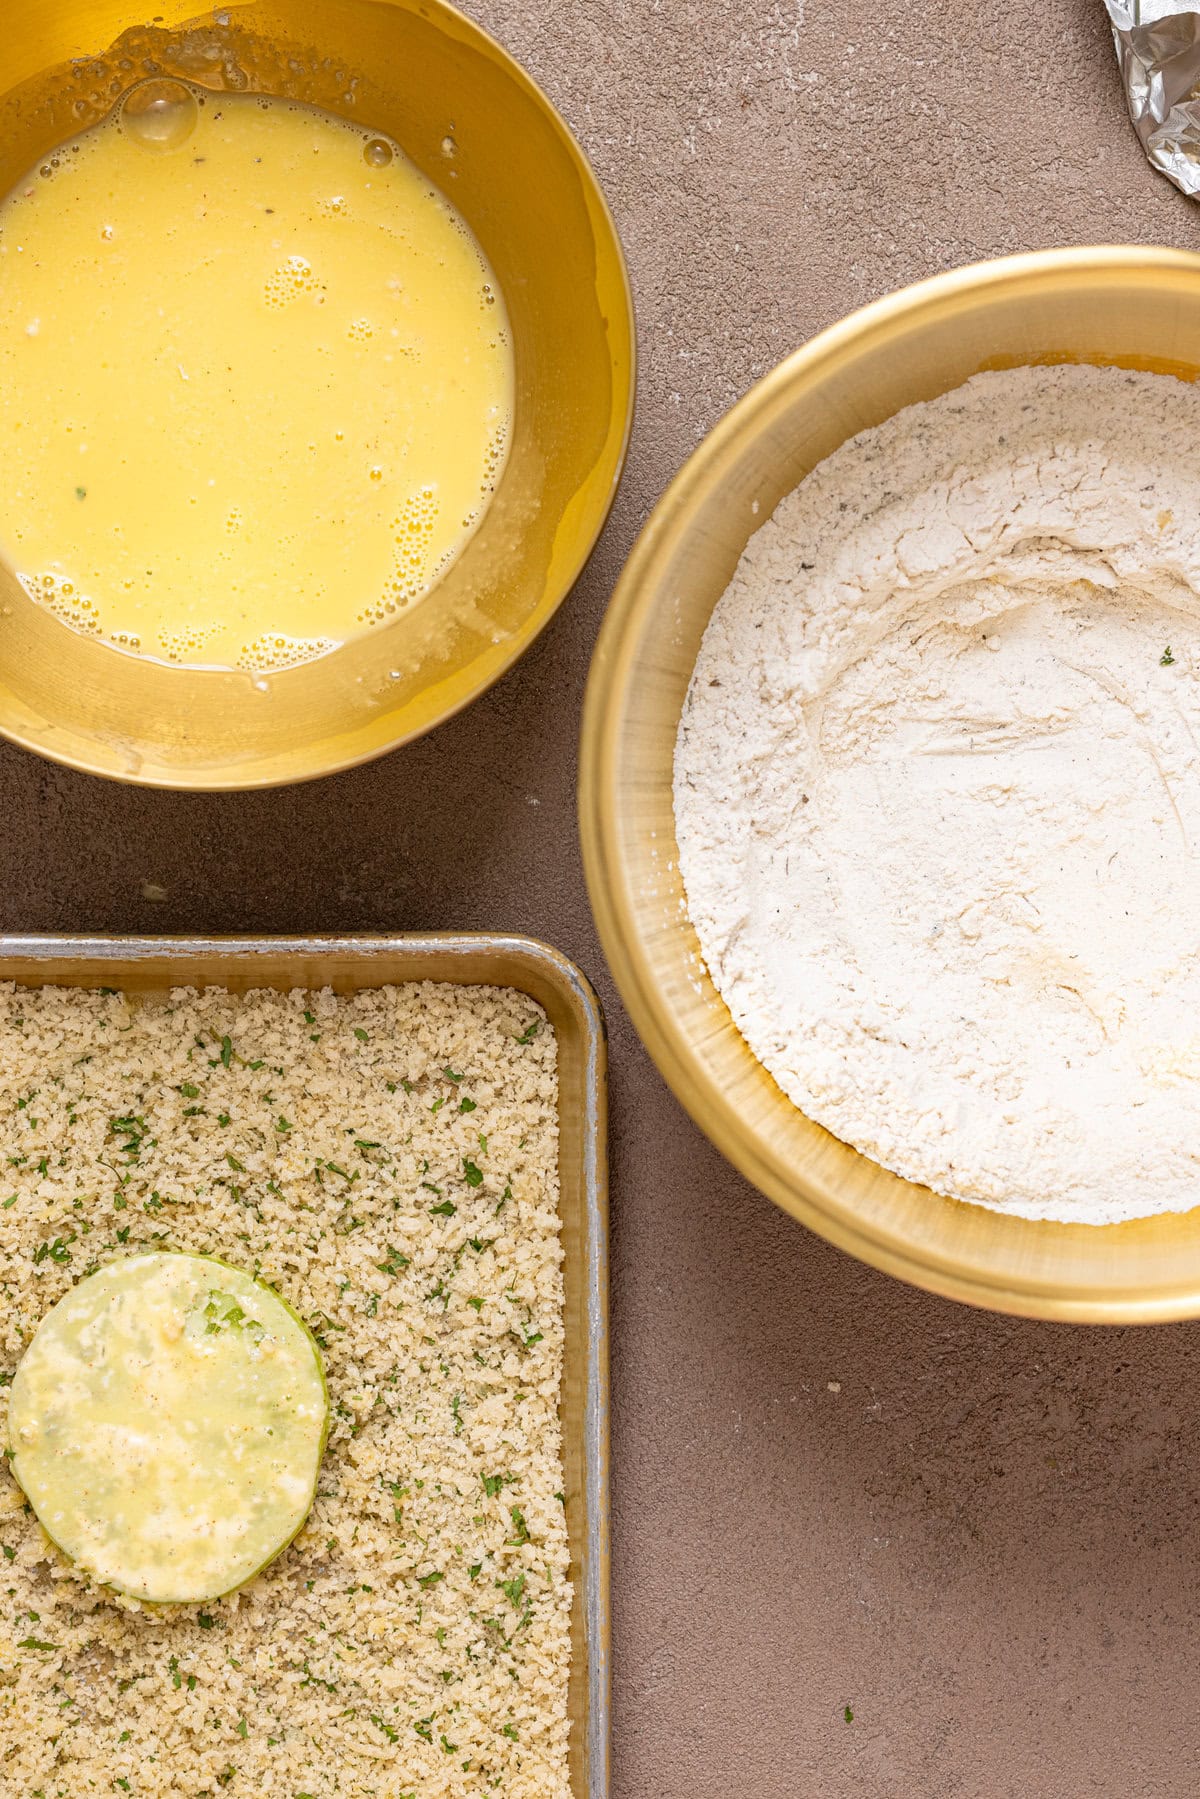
{"x": 937, "y": 791}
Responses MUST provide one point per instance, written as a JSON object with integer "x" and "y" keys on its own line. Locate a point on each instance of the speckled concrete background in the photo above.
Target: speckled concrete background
{"x": 830, "y": 1491}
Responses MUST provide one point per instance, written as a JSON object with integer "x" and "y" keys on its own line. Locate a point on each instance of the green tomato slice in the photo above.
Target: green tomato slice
{"x": 167, "y": 1423}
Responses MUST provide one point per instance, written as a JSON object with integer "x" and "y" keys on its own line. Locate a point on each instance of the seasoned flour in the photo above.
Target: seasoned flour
{"x": 937, "y": 792}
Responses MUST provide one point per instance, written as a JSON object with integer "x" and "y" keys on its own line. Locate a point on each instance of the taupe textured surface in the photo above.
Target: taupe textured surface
{"x": 830, "y": 1491}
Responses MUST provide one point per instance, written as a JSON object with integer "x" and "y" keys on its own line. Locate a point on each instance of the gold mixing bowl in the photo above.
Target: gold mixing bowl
{"x": 480, "y": 129}
{"x": 1132, "y": 307}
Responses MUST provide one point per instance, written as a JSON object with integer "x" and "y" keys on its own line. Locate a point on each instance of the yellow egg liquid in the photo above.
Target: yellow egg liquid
{"x": 255, "y": 380}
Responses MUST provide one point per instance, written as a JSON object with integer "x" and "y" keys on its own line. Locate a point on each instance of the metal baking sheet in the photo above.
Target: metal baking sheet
{"x": 347, "y": 964}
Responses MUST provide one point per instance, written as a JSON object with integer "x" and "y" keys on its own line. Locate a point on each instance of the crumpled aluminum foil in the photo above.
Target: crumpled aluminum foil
{"x": 1158, "y": 48}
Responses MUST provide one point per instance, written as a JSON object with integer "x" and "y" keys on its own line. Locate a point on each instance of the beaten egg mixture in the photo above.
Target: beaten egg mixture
{"x": 255, "y": 380}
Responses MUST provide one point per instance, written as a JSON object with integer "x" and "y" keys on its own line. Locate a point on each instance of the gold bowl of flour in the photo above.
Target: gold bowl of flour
{"x": 476, "y": 126}
{"x": 1133, "y": 308}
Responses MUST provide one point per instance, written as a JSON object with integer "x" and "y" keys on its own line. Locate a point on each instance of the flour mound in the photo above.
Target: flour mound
{"x": 937, "y": 794}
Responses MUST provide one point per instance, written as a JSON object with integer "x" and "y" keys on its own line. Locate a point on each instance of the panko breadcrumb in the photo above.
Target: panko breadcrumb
{"x": 388, "y": 1162}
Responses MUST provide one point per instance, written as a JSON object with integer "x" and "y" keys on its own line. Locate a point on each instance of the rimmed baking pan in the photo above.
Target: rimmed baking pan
{"x": 151, "y": 965}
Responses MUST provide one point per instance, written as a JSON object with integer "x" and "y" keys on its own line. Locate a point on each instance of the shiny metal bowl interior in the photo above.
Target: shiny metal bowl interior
{"x": 420, "y": 71}
{"x": 1132, "y": 307}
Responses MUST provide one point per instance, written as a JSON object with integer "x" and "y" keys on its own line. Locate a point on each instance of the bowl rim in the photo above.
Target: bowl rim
{"x": 230, "y": 778}
{"x": 813, "y": 1202}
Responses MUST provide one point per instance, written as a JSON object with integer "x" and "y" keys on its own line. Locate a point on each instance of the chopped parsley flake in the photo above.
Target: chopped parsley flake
{"x": 54, "y": 1252}
{"x": 132, "y": 1130}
